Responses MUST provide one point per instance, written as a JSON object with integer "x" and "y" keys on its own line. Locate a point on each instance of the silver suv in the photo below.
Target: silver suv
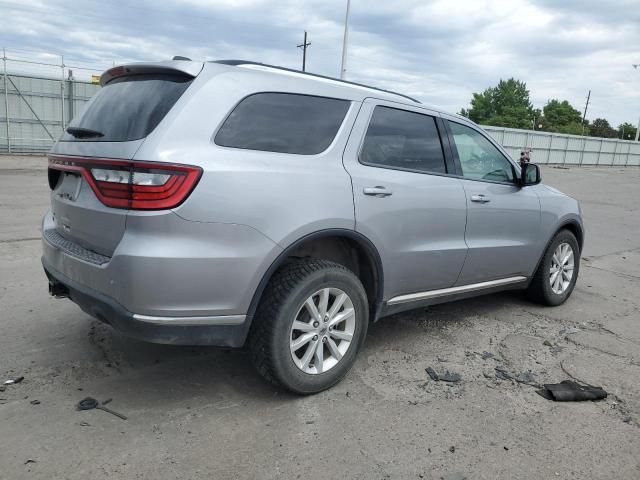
{"x": 230, "y": 203}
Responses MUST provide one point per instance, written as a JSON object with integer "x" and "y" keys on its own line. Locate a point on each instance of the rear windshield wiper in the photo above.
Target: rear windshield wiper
{"x": 80, "y": 132}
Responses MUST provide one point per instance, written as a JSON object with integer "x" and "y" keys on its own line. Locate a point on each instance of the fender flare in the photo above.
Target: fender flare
{"x": 370, "y": 249}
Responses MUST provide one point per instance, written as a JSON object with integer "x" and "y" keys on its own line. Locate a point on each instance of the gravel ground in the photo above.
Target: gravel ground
{"x": 204, "y": 413}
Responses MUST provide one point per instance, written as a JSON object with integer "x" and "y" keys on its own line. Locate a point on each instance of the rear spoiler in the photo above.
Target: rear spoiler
{"x": 174, "y": 66}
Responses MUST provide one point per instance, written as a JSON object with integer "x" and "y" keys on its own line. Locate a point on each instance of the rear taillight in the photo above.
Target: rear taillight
{"x": 133, "y": 185}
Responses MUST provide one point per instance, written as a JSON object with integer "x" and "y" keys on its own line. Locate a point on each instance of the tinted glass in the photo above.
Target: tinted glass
{"x": 405, "y": 140}
{"x": 283, "y": 122}
{"x": 129, "y": 108}
{"x": 479, "y": 159}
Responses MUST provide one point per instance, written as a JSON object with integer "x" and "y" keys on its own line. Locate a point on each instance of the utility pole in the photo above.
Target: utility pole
{"x": 304, "y": 46}
{"x": 345, "y": 39}
{"x": 636, "y": 65}
{"x": 584, "y": 115}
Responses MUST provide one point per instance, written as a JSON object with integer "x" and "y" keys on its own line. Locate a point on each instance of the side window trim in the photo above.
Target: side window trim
{"x": 449, "y": 157}
{"x": 440, "y": 127}
{"x": 456, "y": 158}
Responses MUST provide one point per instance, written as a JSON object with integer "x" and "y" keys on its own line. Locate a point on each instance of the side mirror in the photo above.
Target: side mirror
{"x": 530, "y": 174}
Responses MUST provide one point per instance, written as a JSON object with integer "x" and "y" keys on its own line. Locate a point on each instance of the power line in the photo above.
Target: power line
{"x": 304, "y": 46}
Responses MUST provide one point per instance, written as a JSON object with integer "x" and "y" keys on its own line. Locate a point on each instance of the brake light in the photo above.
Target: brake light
{"x": 133, "y": 185}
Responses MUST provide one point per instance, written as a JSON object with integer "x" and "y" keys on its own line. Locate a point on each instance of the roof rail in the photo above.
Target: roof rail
{"x": 248, "y": 62}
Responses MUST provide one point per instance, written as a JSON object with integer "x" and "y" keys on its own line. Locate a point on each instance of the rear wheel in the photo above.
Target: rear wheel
{"x": 309, "y": 326}
{"x": 557, "y": 273}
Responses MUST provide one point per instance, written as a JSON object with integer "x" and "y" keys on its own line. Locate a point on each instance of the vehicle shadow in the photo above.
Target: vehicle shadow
{"x": 163, "y": 375}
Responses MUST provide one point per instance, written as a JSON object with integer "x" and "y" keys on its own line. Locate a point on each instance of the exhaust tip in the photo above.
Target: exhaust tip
{"x": 58, "y": 290}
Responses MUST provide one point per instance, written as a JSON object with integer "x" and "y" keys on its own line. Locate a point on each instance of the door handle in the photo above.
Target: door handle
{"x": 480, "y": 198}
{"x": 377, "y": 191}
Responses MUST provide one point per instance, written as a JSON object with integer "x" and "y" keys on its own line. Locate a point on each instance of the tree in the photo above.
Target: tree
{"x": 601, "y": 128}
{"x": 627, "y": 131}
{"x": 561, "y": 117}
{"x": 505, "y": 105}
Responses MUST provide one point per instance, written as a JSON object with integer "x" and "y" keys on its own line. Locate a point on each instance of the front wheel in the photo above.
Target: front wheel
{"x": 309, "y": 326}
{"x": 557, "y": 273}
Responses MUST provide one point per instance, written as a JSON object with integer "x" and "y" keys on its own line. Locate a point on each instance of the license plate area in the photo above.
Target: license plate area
{"x": 68, "y": 187}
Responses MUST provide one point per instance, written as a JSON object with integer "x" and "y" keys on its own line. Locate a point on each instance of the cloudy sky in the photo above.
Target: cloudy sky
{"x": 437, "y": 51}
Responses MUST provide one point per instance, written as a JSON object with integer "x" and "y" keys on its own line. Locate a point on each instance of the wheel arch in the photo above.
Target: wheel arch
{"x": 574, "y": 227}
{"x": 570, "y": 224}
{"x": 372, "y": 279}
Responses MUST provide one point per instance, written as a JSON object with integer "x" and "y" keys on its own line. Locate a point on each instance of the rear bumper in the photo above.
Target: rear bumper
{"x": 168, "y": 267}
{"x": 169, "y": 280}
{"x": 222, "y": 330}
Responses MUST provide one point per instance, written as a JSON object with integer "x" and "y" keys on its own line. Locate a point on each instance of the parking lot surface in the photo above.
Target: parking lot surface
{"x": 204, "y": 413}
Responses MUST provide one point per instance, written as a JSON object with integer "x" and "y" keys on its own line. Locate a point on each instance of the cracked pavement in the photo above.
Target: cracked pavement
{"x": 204, "y": 413}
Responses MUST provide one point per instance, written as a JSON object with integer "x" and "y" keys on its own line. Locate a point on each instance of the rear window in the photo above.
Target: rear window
{"x": 284, "y": 123}
{"x": 128, "y": 108}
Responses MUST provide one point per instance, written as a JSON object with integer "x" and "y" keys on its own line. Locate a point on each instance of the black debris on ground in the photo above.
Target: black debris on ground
{"x": 503, "y": 374}
{"x": 570, "y": 391}
{"x": 447, "y": 376}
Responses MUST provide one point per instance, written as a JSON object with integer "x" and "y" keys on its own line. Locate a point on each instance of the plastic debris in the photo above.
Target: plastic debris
{"x": 569, "y": 391}
{"x": 503, "y": 374}
{"x": 528, "y": 377}
{"x": 447, "y": 376}
{"x": 91, "y": 403}
{"x": 13, "y": 381}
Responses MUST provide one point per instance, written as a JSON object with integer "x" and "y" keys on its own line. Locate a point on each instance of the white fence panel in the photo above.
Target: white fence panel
{"x": 31, "y": 132}
{"x": 560, "y": 149}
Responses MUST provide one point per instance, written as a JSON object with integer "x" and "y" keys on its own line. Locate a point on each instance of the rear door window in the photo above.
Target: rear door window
{"x": 127, "y": 108}
{"x": 403, "y": 140}
{"x": 284, "y": 123}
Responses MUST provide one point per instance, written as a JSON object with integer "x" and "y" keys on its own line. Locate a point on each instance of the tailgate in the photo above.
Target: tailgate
{"x": 114, "y": 124}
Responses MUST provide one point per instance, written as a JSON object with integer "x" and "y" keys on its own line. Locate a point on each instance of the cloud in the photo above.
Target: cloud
{"x": 439, "y": 51}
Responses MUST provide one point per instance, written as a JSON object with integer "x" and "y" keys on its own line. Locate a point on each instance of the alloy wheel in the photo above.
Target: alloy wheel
{"x": 322, "y": 331}
{"x": 561, "y": 271}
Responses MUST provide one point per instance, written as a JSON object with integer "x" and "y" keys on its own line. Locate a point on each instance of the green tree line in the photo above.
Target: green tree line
{"x": 508, "y": 105}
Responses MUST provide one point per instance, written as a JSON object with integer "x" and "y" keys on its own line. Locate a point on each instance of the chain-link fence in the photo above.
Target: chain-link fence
{"x": 38, "y": 97}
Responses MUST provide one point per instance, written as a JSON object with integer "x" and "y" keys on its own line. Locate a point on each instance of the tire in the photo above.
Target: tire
{"x": 540, "y": 289}
{"x": 272, "y": 337}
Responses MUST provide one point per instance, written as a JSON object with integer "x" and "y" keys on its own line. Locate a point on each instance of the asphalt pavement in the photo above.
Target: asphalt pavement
{"x": 196, "y": 413}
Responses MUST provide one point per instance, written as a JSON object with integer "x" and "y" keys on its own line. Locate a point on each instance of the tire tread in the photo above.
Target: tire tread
{"x": 280, "y": 286}
{"x": 537, "y": 290}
